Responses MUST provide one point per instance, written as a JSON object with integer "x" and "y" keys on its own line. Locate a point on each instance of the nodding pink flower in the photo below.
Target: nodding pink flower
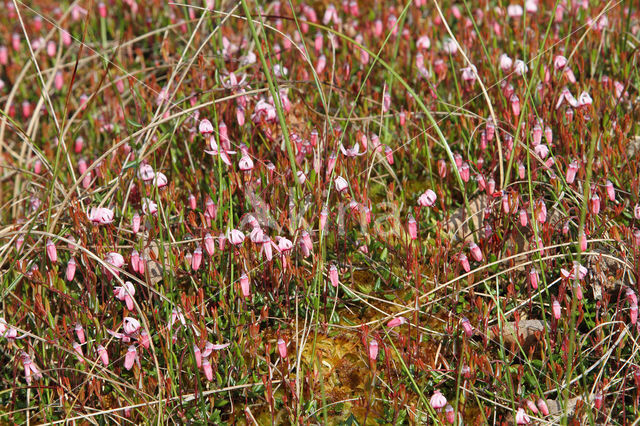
{"x": 210, "y": 207}
{"x": 571, "y": 172}
{"x": 333, "y": 275}
{"x": 198, "y": 355}
{"x": 256, "y": 235}
{"x": 78, "y": 349}
{"x": 515, "y": 104}
{"x": 331, "y": 162}
{"x": 559, "y": 62}
{"x": 205, "y": 127}
{"x": 324, "y": 214}
{"x": 209, "y": 244}
{"x": 282, "y": 348}
{"x": 192, "y": 201}
{"x": 116, "y": 260}
{"x": 52, "y": 252}
{"x": 130, "y": 325}
{"x": 583, "y": 241}
{"x": 442, "y": 168}
{"x": 284, "y": 245}
{"x": 524, "y": 219}
{"x": 505, "y": 202}
{"x": 412, "y": 226}
{"x": 633, "y": 312}
{"x": 71, "y": 269}
{"x": 78, "y": 143}
{"x": 318, "y": 41}
{"x": 246, "y": 163}
{"x": 19, "y": 242}
{"x": 611, "y": 192}
{"x": 423, "y": 43}
{"x": 522, "y": 418}
{"x": 457, "y": 158}
{"x": 130, "y": 357}
{"x": 135, "y": 259}
{"x": 306, "y": 241}
{"x": 31, "y": 370}
{"x": 244, "y": 285}
{"x": 584, "y": 99}
{"x": 135, "y": 223}
{"x": 208, "y": 371}
{"x": 428, "y": 199}
{"x": 597, "y": 401}
{"x": 79, "y": 333}
{"x": 536, "y": 135}
{"x": 4, "y": 55}
{"x": 321, "y": 65}
{"x": 636, "y": 211}
{"x": 302, "y": 178}
{"x": 476, "y": 253}
{"x": 143, "y": 339}
{"x": 449, "y": 46}
{"x": 330, "y": 14}
{"x": 100, "y": 215}
{"x": 267, "y": 247}
{"x": 341, "y": 184}
{"x": 556, "y": 309}
{"x": 149, "y": 206}
{"x": 160, "y": 180}
{"x": 515, "y": 11}
{"x": 470, "y": 73}
{"x": 482, "y": 183}
{"x": 450, "y": 414}
{"x": 542, "y": 150}
{"x": 631, "y": 296}
{"x": 373, "y": 350}
{"x": 542, "y": 405}
{"x": 464, "y": 261}
{"x": 541, "y": 211}
{"x": 438, "y": 400}
{"x": 465, "y": 174}
{"x": 103, "y": 354}
{"x": 235, "y": 237}
{"x": 125, "y": 294}
{"x": 520, "y": 67}
{"x": 594, "y": 203}
{"x": 398, "y": 321}
{"x": 505, "y": 62}
{"x": 146, "y": 173}
{"x": 548, "y": 134}
{"x": 388, "y": 152}
{"x": 354, "y": 151}
{"x": 26, "y": 110}
{"x": 196, "y": 259}
{"x": 534, "y": 278}
{"x": 467, "y": 327}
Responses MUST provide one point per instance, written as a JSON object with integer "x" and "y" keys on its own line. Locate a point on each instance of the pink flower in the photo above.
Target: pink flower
{"x": 235, "y": 237}
{"x": 631, "y": 296}
{"x": 571, "y": 172}
{"x": 116, "y": 260}
{"x": 633, "y": 312}
{"x": 515, "y": 104}
{"x": 103, "y": 354}
{"x": 208, "y": 371}
{"x": 423, "y": 43}
{"x": 373, "y": 350}
{"x": 78, "y": 349}
{"x": 244, "y": 285}
{"x": 246, "y": 163}
{"x": 130, "y": 325}
{"x": 198, "y": 355}
{"x": 100, "y": 215}
{"x": 196, "y": 258}
{"x": 130, "y": 357}
{"x": 467, "y": 327}
{"x": 542, "y": 405}
{"x": 341, "y": 184}
{"x": 160, "y": 180}
{"x": 209, "y": 244}
{"x": 412, "y": 227}
{"x": 31, "y": 370}
{"x": 476, "y": 253}
{"x": 397, "y": 322}
{"x": 146, "y": 173}
{"x": 135, "y": 223}
{"x": 636, "y": 211}
{"x": 594, "y": 204}
{"x": 71, "y": 269}
{"x": 438, "y": 400}
{"x": 282, "y": 348}
{"x": 428, "y": 199}
{"x": 333, "y": 275}
{"x": 52, "y": 252}
{"x": 611, "y": 192}
{"x": 521, "y": 417}
{"x": 556, "y": 309}
{"x": 464, "y": 261}
{"x": 149, "y": 206}
{"x": 534, "y": 278}
{"x": 205, "y": 127}
{"x": 505, "y": 62}
{"x": 450, "y": 414}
